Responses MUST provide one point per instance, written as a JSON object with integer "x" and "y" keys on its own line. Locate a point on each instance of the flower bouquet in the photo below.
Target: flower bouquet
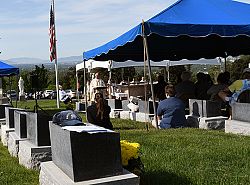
{"x": 131, "y": 160}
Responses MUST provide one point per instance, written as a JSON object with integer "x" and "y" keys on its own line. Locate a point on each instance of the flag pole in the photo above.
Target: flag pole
{"x": 56, "y": 67}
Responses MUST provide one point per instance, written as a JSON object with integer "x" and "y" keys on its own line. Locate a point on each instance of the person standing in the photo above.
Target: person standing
{"x": 97, "y": 85}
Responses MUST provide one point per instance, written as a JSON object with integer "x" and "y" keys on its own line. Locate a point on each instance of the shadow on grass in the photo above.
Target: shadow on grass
{"x": 163, "y": 178}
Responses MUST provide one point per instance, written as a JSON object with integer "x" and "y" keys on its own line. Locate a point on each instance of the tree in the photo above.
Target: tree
{"x": 42, "y": 78}
{"x": 238, "y": 66}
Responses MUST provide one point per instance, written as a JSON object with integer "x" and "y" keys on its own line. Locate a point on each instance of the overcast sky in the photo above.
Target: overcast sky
{"x": 81, "y": 25}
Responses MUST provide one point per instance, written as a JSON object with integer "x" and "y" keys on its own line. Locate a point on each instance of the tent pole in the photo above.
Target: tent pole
{"x": 85, "y": 86}
{"x": 149, "y": 71}
{"x": 17, "y": 90}
{"x": 77, "y": 86}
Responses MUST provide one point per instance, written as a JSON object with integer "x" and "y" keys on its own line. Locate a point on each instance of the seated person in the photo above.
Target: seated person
{"x": 216, "y": 88}
{"x": 236, "y": 88}
{"x": 185, "y": 90}
{"x": 171, "y": 111}
{"x": 98, "y": 112}
{"x": 63, "y": 96}
{"x": 159, "y": 89}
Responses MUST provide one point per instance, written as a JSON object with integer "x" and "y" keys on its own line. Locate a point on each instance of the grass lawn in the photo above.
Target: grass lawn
{"x": 174, "y": 156}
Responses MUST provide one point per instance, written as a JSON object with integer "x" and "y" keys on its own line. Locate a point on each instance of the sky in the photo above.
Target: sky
{"x": 81, "y": 25}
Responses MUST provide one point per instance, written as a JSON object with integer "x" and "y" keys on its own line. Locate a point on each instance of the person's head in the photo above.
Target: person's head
{"x": 97, "y": 75}
{"x": 160, "y": 78}
{"x": 246, "y": 73}
{"x": 185, "y": 76}
{"x": 60, "y": 87}
{"x": 200, "y": 76}
{"x": 98, "y": 97}
{"x": 222, "y": 78}
{"x": 169, "y": 90}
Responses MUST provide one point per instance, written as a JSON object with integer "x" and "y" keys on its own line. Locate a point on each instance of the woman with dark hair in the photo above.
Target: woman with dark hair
{"x": 98, "y": 112}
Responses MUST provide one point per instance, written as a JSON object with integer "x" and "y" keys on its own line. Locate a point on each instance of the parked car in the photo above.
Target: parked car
{"x": 71, "y": 93}
{"x": 47, "y": 93}
{"x": 11, "y": 94}
{"x": 53, "y": 95}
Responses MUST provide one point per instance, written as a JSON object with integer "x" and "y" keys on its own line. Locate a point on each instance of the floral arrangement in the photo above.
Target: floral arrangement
{"x": 131, "y": 157}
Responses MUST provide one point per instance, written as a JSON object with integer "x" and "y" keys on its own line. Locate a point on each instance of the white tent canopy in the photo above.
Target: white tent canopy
{"x": 91, "y": 64}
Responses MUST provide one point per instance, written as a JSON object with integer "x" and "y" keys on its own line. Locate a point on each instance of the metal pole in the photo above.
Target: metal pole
{"x": 149, "y": 71}
{"x": 56, "y": 67}
{"x": 85, "y": 86}
{"x": 77, "y": 90}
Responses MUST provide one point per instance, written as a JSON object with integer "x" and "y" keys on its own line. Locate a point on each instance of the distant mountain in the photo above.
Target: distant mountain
{"x": 26, "y": 60}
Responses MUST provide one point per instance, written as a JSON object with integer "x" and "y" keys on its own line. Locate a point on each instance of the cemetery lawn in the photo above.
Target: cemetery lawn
{"x": 173, "y": 156}
{"x": 13, "y": 173}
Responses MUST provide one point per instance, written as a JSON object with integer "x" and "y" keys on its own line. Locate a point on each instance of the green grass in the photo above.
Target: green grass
{"x": 174, "y": 156}
{"x": 13, "y": 173}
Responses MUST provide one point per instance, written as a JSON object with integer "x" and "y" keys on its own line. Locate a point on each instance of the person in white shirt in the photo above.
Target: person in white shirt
{"x": 95, "y": 86}
{"x": 63, "y": 96}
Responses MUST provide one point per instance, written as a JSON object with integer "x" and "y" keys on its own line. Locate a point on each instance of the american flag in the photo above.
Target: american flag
{"x": 52, "y": 35}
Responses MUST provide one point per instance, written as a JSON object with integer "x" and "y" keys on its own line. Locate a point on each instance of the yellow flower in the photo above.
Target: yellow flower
{"x": 129, "y": 151}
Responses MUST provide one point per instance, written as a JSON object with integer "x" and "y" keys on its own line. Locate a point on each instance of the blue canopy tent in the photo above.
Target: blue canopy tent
{"x": 8, "y": 70}
{"x": 188, "y": 29}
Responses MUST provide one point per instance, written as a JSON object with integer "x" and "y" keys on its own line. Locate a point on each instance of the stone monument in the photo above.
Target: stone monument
{"x": 21, "y": 89}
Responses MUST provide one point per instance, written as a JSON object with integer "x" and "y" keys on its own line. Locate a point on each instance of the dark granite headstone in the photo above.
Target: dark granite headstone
{"x": 240, "y": 112}
{"x": 147, "y": 107}
{"x": 20, "y": 124}
{"x": 9, "y": 112}
{"x": 80, "y": 106}
{"x": 84, "y": 156}
{"x": 195, "y": 107}
{"x": 2, "y": 110}
{"x": 211, "y": 108}
{"x": 125, "y": 105}
{"x": 38, "y": 128}
{"x": 115, "y": 104}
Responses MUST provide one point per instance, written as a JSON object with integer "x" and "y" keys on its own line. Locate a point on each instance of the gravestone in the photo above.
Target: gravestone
{"x": 211, "y": 108}
{"x": 147, "y": 107}
{"x": 83, "y": 156}
{"x": 195, "y": 107}
{"x": 50, "y": 174}
{"x": 205, "y": 114}
{"x": 20, "y": 133}
{"x": 2, "y": 110}
{"x": 80, "y": 106}
{"x": 125, "y": 105}
{"x": 9, "y": 112}
{"x": 240, "y": 123}
{"x": 115, "y": 104}
{"x": 20, "y": 124}
{"x": 38, "y": 128}
{"x": 36, "y": 148}
{"x": 241, "y": 112}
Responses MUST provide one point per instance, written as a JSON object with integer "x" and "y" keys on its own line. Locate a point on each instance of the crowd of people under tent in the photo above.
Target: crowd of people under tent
{"x": 173, "y": 100}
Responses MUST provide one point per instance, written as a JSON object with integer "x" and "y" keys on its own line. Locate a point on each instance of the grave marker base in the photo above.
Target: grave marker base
{"x": 50, "y": 174}
{"x": 31, "y": 156}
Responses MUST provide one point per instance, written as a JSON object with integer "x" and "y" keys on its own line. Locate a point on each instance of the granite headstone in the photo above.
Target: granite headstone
{"x": 20, "y": 124}
{"x": 115, "y": 104}
{"x": 83, "y": 156}
{"x": 38, "y": 128}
